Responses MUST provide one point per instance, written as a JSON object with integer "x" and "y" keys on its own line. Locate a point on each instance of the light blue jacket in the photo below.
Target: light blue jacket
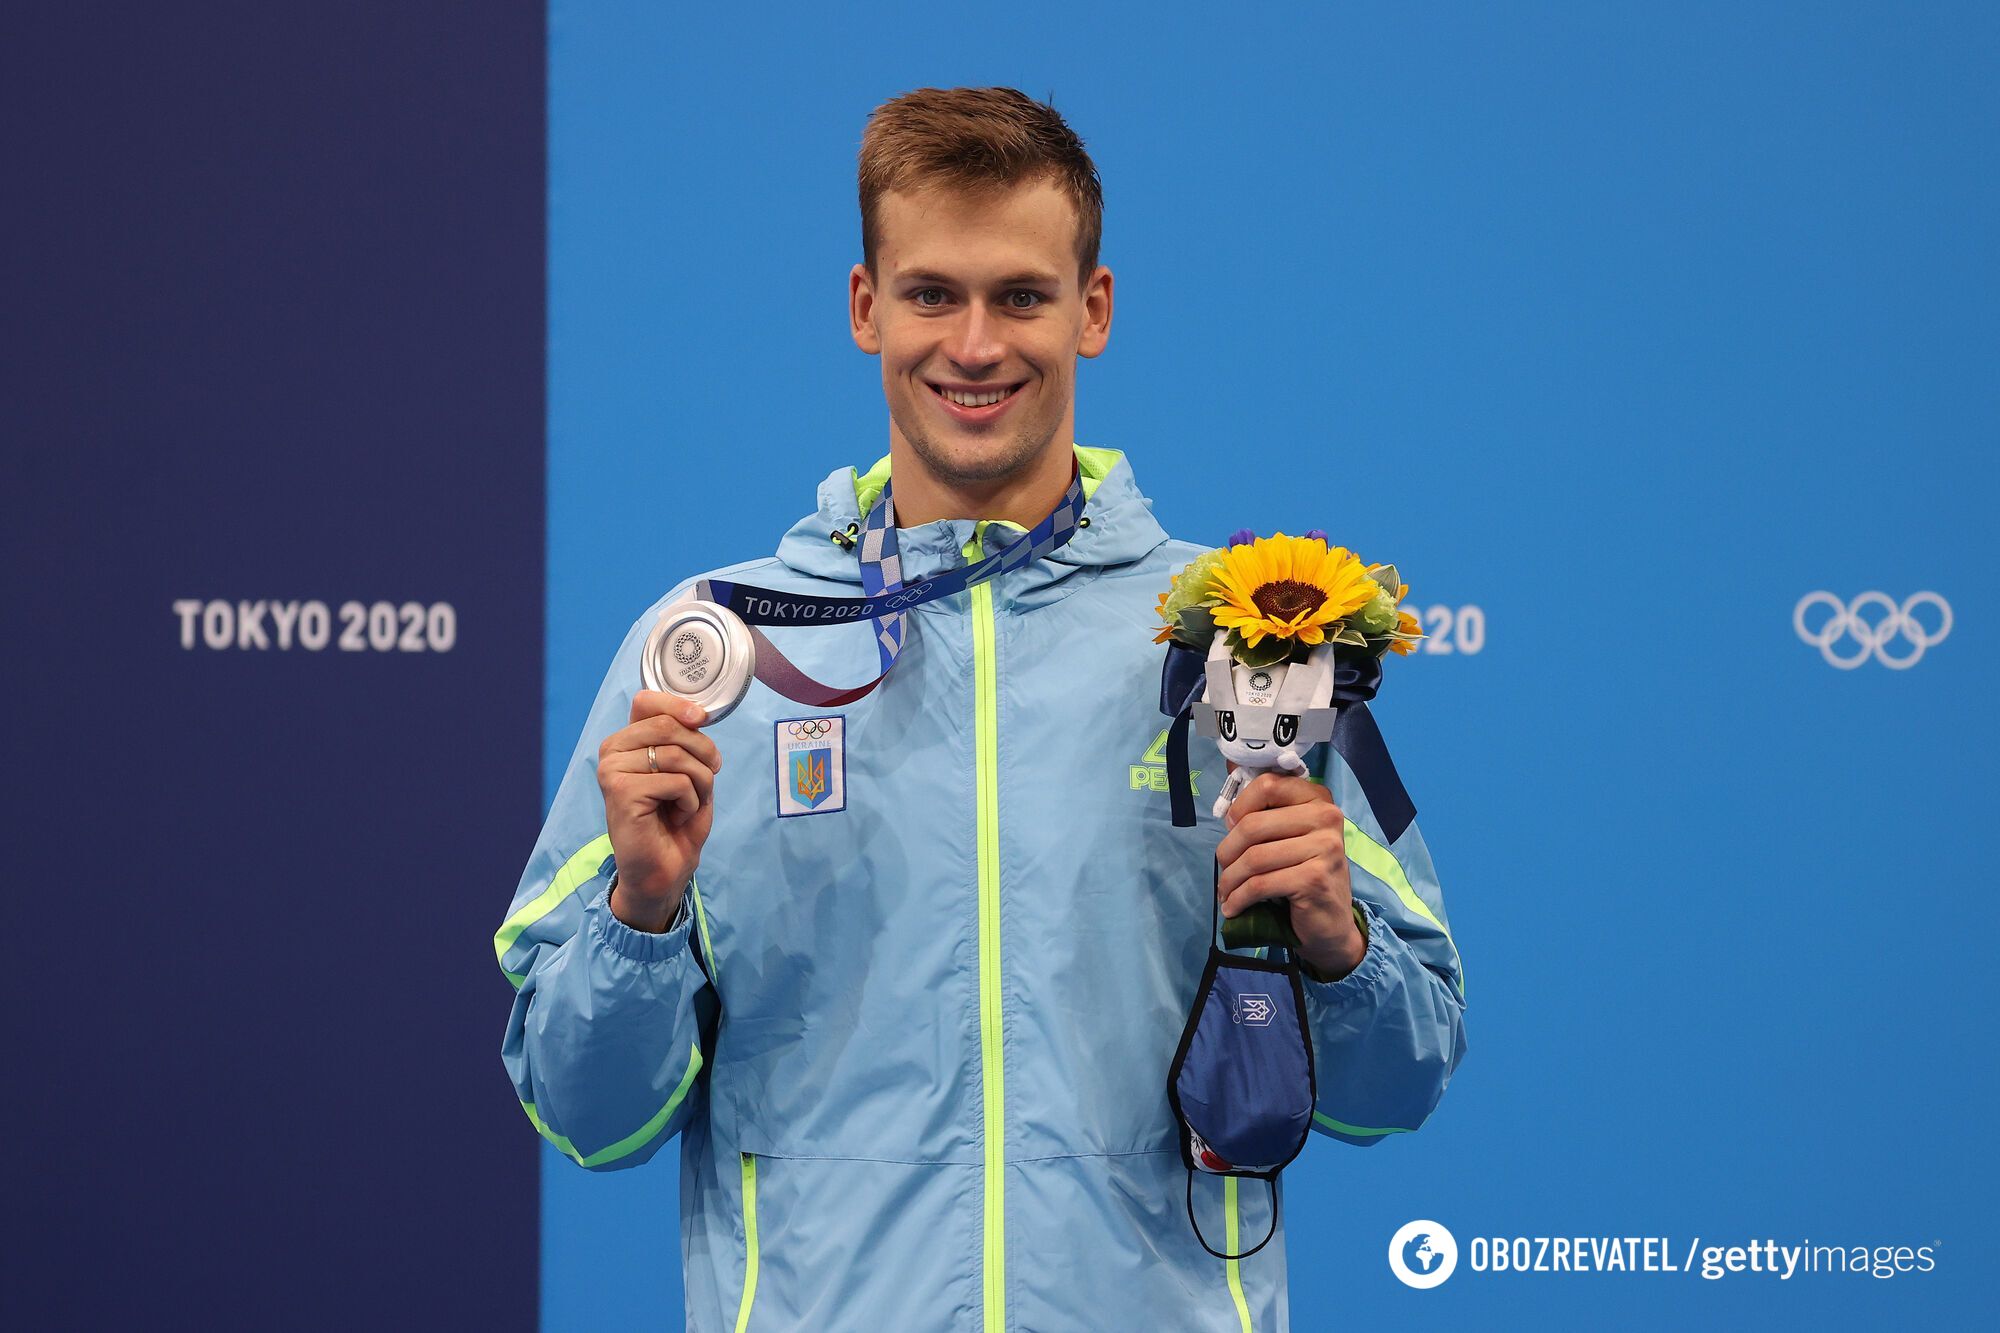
{"x": 916, "y": 1048}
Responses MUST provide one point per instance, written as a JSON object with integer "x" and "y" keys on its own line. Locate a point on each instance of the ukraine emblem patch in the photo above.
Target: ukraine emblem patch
{"x": 812, "y": 765}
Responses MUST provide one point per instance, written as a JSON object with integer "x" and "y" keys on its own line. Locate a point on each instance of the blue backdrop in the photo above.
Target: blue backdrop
{"x": 1625, "y": 328}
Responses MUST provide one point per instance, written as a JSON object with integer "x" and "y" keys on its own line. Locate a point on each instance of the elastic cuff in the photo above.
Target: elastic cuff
{"x": 638, "y": 945}
{"x": 1366, "y": 974}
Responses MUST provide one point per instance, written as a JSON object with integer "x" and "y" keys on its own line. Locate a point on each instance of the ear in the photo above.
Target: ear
{"x": 861, "y": 310}
{"x": 1096, "y": 313}
{"x": 1320, "y": 663}
{"x": 1221, "y": 685}
{"x": 1308, "y": 684}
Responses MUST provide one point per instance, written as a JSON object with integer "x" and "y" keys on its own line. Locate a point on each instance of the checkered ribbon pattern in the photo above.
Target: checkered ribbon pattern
{"x": 887, "y": 602}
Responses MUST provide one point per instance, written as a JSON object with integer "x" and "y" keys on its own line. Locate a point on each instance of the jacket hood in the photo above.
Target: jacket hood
{"x": 1119, "y": 517}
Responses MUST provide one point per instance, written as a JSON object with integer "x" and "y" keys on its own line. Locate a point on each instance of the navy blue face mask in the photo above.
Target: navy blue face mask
{"x": 1242, "y": 1084}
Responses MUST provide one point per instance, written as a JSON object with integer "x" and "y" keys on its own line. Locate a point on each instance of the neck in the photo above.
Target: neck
{"x": 1023, "y": 499}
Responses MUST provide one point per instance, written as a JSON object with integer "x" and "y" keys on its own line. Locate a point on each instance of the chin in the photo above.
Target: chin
{"x": 975, "y": 459}
{"x": 965, "y": 457}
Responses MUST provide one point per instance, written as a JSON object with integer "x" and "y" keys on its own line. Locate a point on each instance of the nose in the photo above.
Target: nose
{"x": 976, "y": 345}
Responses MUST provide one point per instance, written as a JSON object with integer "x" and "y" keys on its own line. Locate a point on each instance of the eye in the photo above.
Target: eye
{"x": 1014, "y": 301}
{"x": 922, "y": 294}
{"x": 1225, "y": 722}
{"x": 1286, "y": 729}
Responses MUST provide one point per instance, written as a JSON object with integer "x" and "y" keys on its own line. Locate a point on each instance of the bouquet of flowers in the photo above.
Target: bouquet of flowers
{"x": 1279, "y": 597}
{"x": 1276, "y": 614}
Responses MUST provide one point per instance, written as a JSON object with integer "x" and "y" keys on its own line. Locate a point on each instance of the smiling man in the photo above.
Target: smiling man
{"x": 986, "y": 296}
{"x": 912, "y": 1019}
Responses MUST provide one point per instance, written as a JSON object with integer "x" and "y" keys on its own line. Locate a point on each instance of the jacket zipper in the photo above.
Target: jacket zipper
{"x": 986, "y": 761}
{"x": 749, "y": 1300}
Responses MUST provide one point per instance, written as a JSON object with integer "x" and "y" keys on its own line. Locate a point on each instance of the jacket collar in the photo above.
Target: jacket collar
{"x": 1121, "y": 528}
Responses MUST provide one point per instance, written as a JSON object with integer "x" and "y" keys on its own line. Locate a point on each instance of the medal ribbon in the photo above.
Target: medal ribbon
{"x": 888, "y": 601}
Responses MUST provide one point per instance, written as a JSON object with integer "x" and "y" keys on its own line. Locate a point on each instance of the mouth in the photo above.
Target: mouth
{"x": 974, "y": 404}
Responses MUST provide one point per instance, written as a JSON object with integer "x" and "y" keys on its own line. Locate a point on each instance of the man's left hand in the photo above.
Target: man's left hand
{"x": 1287, "y": 841}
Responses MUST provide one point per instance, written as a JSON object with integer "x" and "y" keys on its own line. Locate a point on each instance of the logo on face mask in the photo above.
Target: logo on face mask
{"x": 1253, "y": 1010}
{"x": 1150, "y": 773}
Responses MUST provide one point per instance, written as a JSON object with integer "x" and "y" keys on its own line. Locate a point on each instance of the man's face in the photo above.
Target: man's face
{"x": 978, "y": 315}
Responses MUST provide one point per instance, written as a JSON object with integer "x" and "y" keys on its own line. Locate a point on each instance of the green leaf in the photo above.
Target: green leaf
{"x": 1388, "y": 579}
{"x": 1351, "y": 636}
{"x": 1195, "y": 628}
{"x": 1270, "y": 650}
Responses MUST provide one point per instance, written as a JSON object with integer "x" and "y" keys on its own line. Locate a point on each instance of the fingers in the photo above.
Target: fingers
{"x": 1269, "y": 790}
{"x": 661, "y": 730}
{"x": 672, "y": 759}
{"x": 661, "y": 761}
{"x": 1288, "y": 821}
{"x": 673, "y": 793}
{"x": 1282, "y": 854}
{"x": 650, "y": 703}
{"x": 679, "y": 795}
{"x": 1290, "y": 882}
{"x": 1285, "y": 837}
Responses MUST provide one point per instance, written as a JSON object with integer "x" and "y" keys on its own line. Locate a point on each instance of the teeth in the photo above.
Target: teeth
{"x": 974, "y": 399}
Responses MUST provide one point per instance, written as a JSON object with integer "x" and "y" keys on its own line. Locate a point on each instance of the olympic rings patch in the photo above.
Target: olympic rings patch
{"x": 1871, "y": 623}
{"x": 811, "y": 765}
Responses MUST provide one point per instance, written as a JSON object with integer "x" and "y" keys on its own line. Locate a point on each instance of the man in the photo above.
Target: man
{"x": 913, "y": 1018}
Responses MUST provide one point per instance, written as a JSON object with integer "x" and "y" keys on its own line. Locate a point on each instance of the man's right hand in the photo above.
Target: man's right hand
{"x": 658, "y": 820}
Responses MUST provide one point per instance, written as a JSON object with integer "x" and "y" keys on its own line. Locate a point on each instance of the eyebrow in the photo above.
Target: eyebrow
{"x": 1025, "y": 278}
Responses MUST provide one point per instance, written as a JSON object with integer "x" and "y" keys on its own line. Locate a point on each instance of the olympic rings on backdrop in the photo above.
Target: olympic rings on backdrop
{"x": 1848, "y": 622}
{"x": 810, "y": 729}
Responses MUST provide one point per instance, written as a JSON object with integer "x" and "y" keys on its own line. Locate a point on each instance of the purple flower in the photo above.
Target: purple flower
{"x": 1315, "y": 534}
{"x": 1242, "y": 537}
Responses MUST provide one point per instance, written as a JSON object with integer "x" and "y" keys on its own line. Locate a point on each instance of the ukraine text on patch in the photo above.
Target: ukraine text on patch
{"x": 811, "y": 765}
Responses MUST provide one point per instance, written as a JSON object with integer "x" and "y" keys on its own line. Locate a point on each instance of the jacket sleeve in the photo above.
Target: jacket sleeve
{"x": 610, "y": 1026}
{"x": 1387, "y": 1036}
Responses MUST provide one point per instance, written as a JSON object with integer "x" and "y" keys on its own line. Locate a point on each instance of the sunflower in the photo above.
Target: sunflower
{"x": 1288, "y": 588}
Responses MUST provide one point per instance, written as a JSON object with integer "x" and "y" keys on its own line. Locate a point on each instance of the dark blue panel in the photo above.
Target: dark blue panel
{"x": 274, "y": 331}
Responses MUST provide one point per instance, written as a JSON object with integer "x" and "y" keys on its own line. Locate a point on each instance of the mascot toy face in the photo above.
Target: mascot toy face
{"x": 1264, "y": 718}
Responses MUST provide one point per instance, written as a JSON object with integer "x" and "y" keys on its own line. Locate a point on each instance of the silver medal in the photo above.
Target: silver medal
{"x": 700, "y": 652}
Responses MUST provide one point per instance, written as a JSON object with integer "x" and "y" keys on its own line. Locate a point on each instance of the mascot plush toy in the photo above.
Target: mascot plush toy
{"x": 1264, "y": 718}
